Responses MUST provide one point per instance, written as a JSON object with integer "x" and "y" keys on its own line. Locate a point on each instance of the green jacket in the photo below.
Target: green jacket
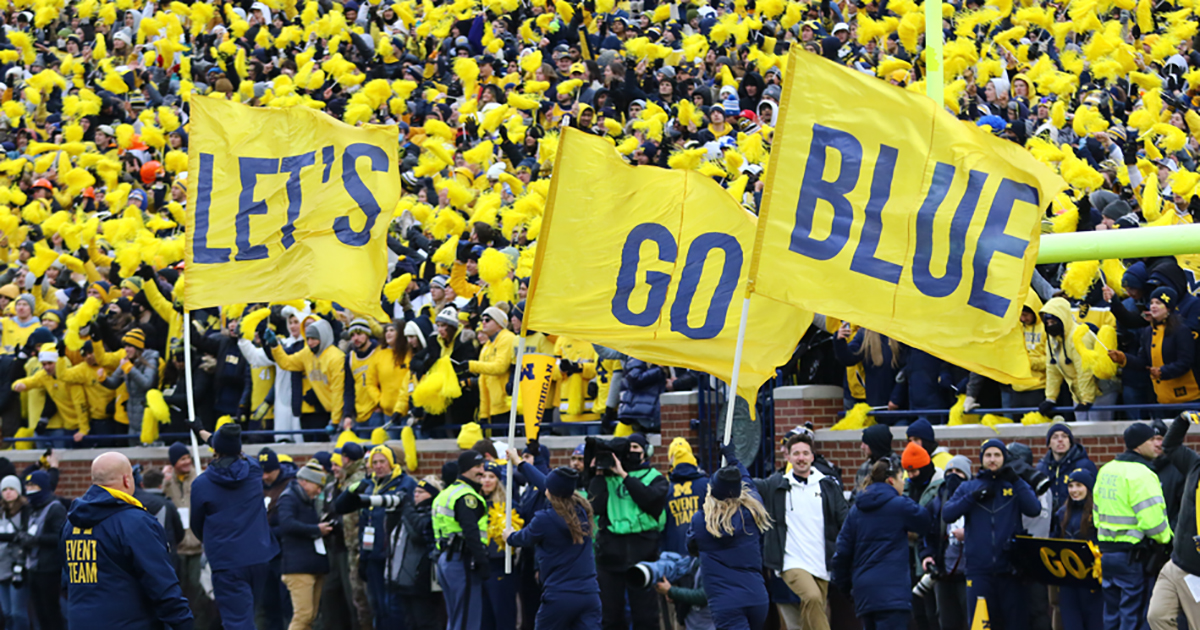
{"x": 1129, "y": 504}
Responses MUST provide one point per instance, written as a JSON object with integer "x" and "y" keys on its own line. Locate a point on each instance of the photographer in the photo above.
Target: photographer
{"x": 942, "y": 553}
{"x": 1131, "y": 523}
{"x": 992, "y": 504}
{"x": 630, "y": 500}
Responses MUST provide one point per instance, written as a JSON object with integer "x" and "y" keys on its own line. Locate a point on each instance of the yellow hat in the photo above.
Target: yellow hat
{"x": 680, "y": 452}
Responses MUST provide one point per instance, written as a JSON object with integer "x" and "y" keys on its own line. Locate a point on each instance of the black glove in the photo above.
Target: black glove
{"x": 1082, "y": 407}
{"x": 567, "y": 367}
{"x": 1047, "y": 408}
{"x": 982, "y": 492}
{"x": 270, "y": 340}
{"x": 1008, "y": 474}
{"x": 146, "y": 272}
{"x": 729, "y": 452}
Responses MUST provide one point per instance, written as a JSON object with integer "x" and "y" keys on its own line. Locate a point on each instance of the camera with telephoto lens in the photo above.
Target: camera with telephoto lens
{"x": 925, "y": 586}
{"x": 1032, "y": 476}
{"x": 670, "y": 565}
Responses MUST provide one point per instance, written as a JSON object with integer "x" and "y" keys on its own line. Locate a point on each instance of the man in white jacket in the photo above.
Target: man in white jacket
{"x": 289, "y": 386}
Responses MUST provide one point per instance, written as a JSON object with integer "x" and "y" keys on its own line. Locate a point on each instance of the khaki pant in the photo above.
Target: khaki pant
{"x": 305, "y": 589}
{"x": 812, "y": 592}
{"x": 1172, "y": 596}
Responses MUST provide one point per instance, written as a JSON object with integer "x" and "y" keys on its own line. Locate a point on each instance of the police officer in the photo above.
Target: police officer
{"x": 117, "y": 566}
{"x": 1130, "y": 516}
{"x": 460, "y": 524}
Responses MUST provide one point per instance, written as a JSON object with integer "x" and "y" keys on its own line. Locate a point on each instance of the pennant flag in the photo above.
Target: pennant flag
{"x": 537, "y": 378}
{"x": 650, "y": 262}
{"x": 883, "y": 209}
{"x": 283, "y": 202}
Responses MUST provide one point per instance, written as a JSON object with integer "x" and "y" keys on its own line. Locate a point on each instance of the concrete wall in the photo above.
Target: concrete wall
{"x": 793, "y": 406}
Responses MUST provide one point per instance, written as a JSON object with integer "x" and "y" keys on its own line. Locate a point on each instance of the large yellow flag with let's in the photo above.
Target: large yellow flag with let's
{"x": 286, "y": 204}
{"x": 883, "y": 209}
{"x": 650, "y": 262}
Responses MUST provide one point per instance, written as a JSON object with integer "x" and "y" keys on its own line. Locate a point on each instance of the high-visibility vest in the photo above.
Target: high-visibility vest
{"x": 444, "y": 523}
{"x": 1129, "y": 504}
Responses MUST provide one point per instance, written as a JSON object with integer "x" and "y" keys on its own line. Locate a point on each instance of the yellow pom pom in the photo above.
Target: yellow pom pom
{"x": 1079, "y": 278}
{"x": 1034, "y": 417}
{"x": 409, "y": 440}
{"x": 395, "y": 289}
{"x": 957, "y": 416}
{"x": 859, "y": 417}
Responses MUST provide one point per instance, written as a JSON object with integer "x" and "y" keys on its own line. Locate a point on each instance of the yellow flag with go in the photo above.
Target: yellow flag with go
{"x": 283, "y": 202}
{"x": 650, "y": 262}
{"x": 913, "y": 224}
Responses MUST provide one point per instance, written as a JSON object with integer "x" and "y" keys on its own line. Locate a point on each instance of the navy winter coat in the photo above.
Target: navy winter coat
{"x": 1058, "y": 470}
{"x": 229, "y": 515}
{"x": 565, "y": 567}
{"x": 929, "y": 380}
{"x": 872, "y": 549}
{"x": 991, "y": 523}
{"x": 298, "y": 533}
{"x": 118, "y": 571}
{"x": 732, "y": 564}
{"x": 689, "y": 486}
{"x": 640, "y": 391}
{"x": 879, "y": 380}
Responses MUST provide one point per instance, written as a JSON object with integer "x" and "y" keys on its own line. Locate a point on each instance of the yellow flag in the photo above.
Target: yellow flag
{"x": 537, "y": 375}
{"x": 286, "y": 204}
{"x": 650, "y": 262}
{"x": 883, "y": 209}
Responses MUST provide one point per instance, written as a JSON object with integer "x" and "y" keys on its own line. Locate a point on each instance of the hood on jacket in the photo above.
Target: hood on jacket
{"x": 1136, "y": 276}
{"x": 324, "y": 334}
{"x": 229, "y": 471}
{"x": 878, "y": 438}
{"x": 98, "y": 504}
{"x": 1165, "y": 272}
{"x": 1032, "y": 301}
{"x": 685, "y": 472}
{"x": 874, "y": 496}
{"x": 1061, "y": 309}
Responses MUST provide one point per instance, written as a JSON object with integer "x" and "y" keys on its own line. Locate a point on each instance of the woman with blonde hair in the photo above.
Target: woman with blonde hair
{"x": 727, "y": 531}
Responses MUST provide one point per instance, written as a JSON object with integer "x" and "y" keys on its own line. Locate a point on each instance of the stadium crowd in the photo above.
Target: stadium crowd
{"x": 94, "y": 124}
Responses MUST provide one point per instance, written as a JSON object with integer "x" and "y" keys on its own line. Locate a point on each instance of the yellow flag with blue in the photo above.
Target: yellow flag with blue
{"x": 651, "y": 262}
{"x": 883, "y": 209}
{"x": 286, "y": 204}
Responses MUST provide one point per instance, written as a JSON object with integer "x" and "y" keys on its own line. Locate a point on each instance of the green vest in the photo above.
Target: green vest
{"x": 624, "y": 516}
{"x": 444, "y": 523}
{"x": 1129, "y": 505}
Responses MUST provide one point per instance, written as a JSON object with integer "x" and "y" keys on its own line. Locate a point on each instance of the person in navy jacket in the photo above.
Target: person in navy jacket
{"x": 993, "y": 503}
{"x": 872, "y": 549}
{"x": 304, "y": 562}
{"x": 1082, "y": 607}
{"x": 230, "y": 518}
{"x": 116, "y": 565}
{"x": 727, "y": 531}
{"x": 561, "y": 536}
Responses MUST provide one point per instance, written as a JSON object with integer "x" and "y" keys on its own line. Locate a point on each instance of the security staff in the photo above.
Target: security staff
{"x": 116, "y": 563}
{"x": 460, "y": 524}
{"x": 1129, "y": 514}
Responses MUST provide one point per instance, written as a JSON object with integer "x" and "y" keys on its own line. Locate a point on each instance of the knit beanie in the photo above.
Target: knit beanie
{"x": 135, "y": 338}
{"x": 922, "y": 430}
{"x": 268, "y": 460}
{"x": 726, "y": 483}
{"x": 1082, "y": 476}
{"x": 28, "y": 299}
{"x": 176, "y": 451}
{"x": 562, "y": 481}
{"x": 227, "y": 440}
{"x": 960, "y": 462}
{"x": 915, "y": 457}
{"x": 878, "y": 437}
{"x": 312, "y": 472}
{"x": 1137, "y": 434}
{"x": 468, "y": 460}
{"x": 993, "y": 443}
{"x": 1059, "y": 426}
{"x": 1167, "y": 296}
{"x": 11, "y": 481}
{"x": 448, "y": 316}
{"x": 351, "y": 451}
{"x": 429, "y": 487}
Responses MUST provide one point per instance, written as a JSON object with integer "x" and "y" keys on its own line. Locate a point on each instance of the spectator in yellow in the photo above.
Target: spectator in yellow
{"x": 575, "y": 368}
{"x": 71, "y": 418}
{"x": 324, "y": 364}
{"x": 18, "y": 327}
{"x": 494, "y": 366}
{"x": 361, "y": 397}
{"x": 390, "y": 376}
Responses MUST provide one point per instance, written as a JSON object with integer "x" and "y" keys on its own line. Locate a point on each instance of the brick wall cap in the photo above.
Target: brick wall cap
{"x": 809, "y": 392}
{"x": 1006, "y": 432}
{"x": 679, "y": 398}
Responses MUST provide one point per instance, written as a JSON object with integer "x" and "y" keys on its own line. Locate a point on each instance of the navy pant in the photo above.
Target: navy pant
{"x": 1127, "y": 591}
{"x": 385, "y": 604}
{"x": 887, "y": 620}
{"x": 274, "y": 595}
{"x": 569, "y": 611}
{"x": 500, "y": 593}
{"x": 740, "y": 618}
{"x": 235, "y": 591}
{"x": 463, "y": 593}
{"x": 1003, "y": 594}
{"x": 1081, "y": 608}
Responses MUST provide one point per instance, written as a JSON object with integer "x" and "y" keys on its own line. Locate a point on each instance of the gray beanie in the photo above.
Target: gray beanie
{"x": 28, "y": 299}
{"x": 11, "y": 482}
{"x": 960, "y": 462}
{"x": 313, "y": 472}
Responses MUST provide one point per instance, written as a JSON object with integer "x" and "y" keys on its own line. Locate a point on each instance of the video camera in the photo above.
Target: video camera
{"x": 601, "y": 454}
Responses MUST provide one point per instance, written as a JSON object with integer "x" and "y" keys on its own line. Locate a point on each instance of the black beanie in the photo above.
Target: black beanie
{"x": 1137, "y": 434}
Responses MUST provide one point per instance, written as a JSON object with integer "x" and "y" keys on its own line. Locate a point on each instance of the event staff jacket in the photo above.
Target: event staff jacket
{"x": 117, "y": 569}
{"x": 1129, "y": 504}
